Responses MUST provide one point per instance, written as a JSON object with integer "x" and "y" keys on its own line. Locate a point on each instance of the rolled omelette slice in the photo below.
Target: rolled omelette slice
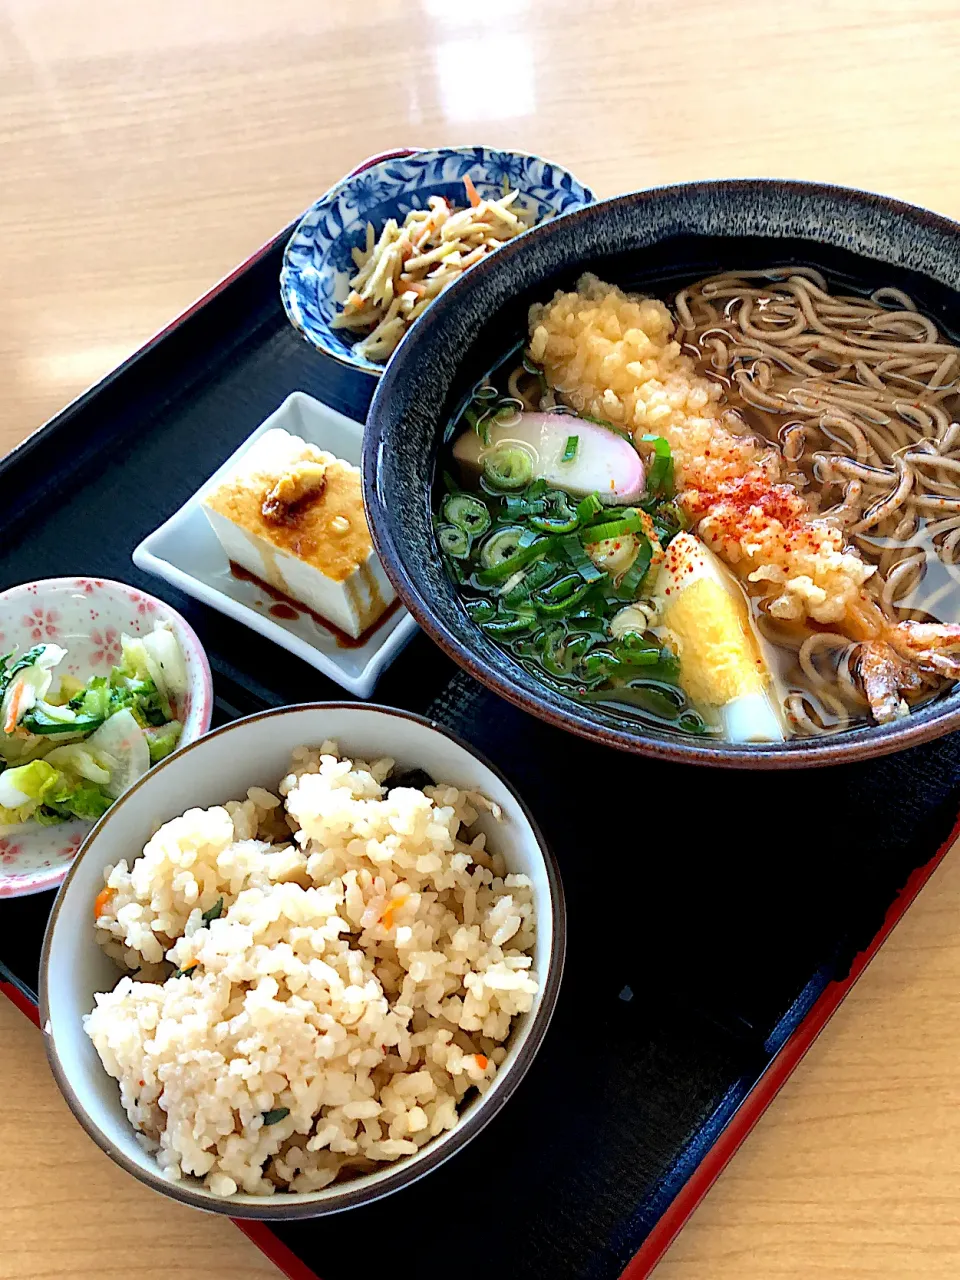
{"x": 721, "y": 665}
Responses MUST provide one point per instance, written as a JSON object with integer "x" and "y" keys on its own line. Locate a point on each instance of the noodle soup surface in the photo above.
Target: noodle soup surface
{"x": 734, "y": 512}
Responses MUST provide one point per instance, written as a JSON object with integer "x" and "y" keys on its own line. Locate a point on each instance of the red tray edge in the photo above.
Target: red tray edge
{"x": 773, "y": 1079}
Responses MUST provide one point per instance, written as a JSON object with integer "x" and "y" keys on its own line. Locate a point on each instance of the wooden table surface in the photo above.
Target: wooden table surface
{"x": 147, "y": 147}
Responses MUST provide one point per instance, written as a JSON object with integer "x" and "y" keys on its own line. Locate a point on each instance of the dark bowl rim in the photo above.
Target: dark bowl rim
{"x": 354, "y": 1193}
{"x": 935, "y": 721}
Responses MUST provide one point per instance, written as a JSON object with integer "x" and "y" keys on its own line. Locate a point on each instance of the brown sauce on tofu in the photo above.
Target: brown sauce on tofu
{"x": 326, "y": 526}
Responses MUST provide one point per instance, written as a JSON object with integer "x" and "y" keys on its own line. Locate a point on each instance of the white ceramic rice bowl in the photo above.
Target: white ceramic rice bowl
{"x": 256, "y": 752}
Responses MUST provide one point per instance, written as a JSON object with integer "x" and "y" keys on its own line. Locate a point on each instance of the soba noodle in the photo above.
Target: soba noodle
{"x": 861, "y": 394}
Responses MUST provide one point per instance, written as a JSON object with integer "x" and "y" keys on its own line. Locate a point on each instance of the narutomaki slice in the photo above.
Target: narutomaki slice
{"x": 597, "y": 460}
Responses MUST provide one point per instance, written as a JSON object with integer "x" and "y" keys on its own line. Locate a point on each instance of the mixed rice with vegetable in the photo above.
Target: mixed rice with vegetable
{"x": 315, "y": 981}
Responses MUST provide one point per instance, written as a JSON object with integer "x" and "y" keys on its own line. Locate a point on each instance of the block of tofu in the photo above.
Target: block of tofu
{"x": 292, "y": 515}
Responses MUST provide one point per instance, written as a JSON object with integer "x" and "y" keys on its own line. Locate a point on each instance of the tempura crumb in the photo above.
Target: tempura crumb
{"x": 613, "y": 355}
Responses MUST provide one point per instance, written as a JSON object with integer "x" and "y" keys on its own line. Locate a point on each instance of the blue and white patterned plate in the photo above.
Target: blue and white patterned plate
{"x": 317, "y": 263}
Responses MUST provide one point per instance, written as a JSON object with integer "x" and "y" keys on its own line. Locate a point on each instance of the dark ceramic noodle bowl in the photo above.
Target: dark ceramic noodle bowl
{"x": 653, "y": 241}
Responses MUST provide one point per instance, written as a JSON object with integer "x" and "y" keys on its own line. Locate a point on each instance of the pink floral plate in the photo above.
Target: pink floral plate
{"x": 87, "y": 616}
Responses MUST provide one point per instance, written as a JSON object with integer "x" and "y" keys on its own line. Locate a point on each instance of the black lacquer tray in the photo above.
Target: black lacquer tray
{"x": 715, "y": 919}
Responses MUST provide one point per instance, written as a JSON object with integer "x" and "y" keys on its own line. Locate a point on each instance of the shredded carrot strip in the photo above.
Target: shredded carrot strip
{"x": 395, "y": 904}
{"x": 100, "y": 902}
{"x": 13, "y": 712}
{"x": 481, "y": 1061}
{"x": 424, "y": 235}
{"x": 472, "y": 194}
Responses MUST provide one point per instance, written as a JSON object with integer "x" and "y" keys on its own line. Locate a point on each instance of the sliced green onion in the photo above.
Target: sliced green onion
{"x": 519, "y": 548}
{"x": 556, "y": 653}
{"x": 509, "y": 625}
{"x": 480, "y": 422}
{"x": 214, "y": 912}
{"x": 480, "y": 610}
{"x": 501, "y": 570}
{"x": 632, "y": 642}
{"x": 517, "y": 505}
{"x": 562, "y": 518}
{"x": 632, "y": 580}
{"x": 467, "y": 513}
{"x": 507, "y": 411}
{"x": 673, "y": 511}
{"x": 563, "y": 588}
{"x": 692, "y": 722}
{"x": 648, "y": 656}
{"x": 577, "y": 648}
{"x": 599, "y": 664}
{"x": 659, "y": 700}
{"x": 660, "y": 475}
{"x": 557, "y": 608}
{"x": 629, "y": 522}
{"x": 537, "y": 372}
{"x": 508, "y": 467}
{"x": 593, "y": 615}
{"x": 454, "y": 541}
{"x": 275, "y": 1116}
{"x": 573, "y": 550}
{"x": 669, "y": 666}
{"x": 670, "y": 699}
{"x": 590, "y": 506}
{"x": 562, "y": 653}
{"x": 501, "y": 546}
{"x": 535, "y": 577}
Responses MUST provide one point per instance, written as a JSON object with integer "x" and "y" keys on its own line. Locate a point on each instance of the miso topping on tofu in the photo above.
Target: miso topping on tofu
{"x": 299, "y": 484}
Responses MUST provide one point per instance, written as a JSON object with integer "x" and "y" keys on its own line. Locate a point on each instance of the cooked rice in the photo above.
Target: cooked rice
{"x": 613, "y": 355}
{"x": 360, "y": 979}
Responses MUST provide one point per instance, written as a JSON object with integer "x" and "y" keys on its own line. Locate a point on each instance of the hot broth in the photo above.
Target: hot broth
{"x": 787, "y": 561}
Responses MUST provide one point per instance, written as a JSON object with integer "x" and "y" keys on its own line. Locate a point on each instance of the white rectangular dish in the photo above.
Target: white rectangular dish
{"x": 186, "y": 553}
